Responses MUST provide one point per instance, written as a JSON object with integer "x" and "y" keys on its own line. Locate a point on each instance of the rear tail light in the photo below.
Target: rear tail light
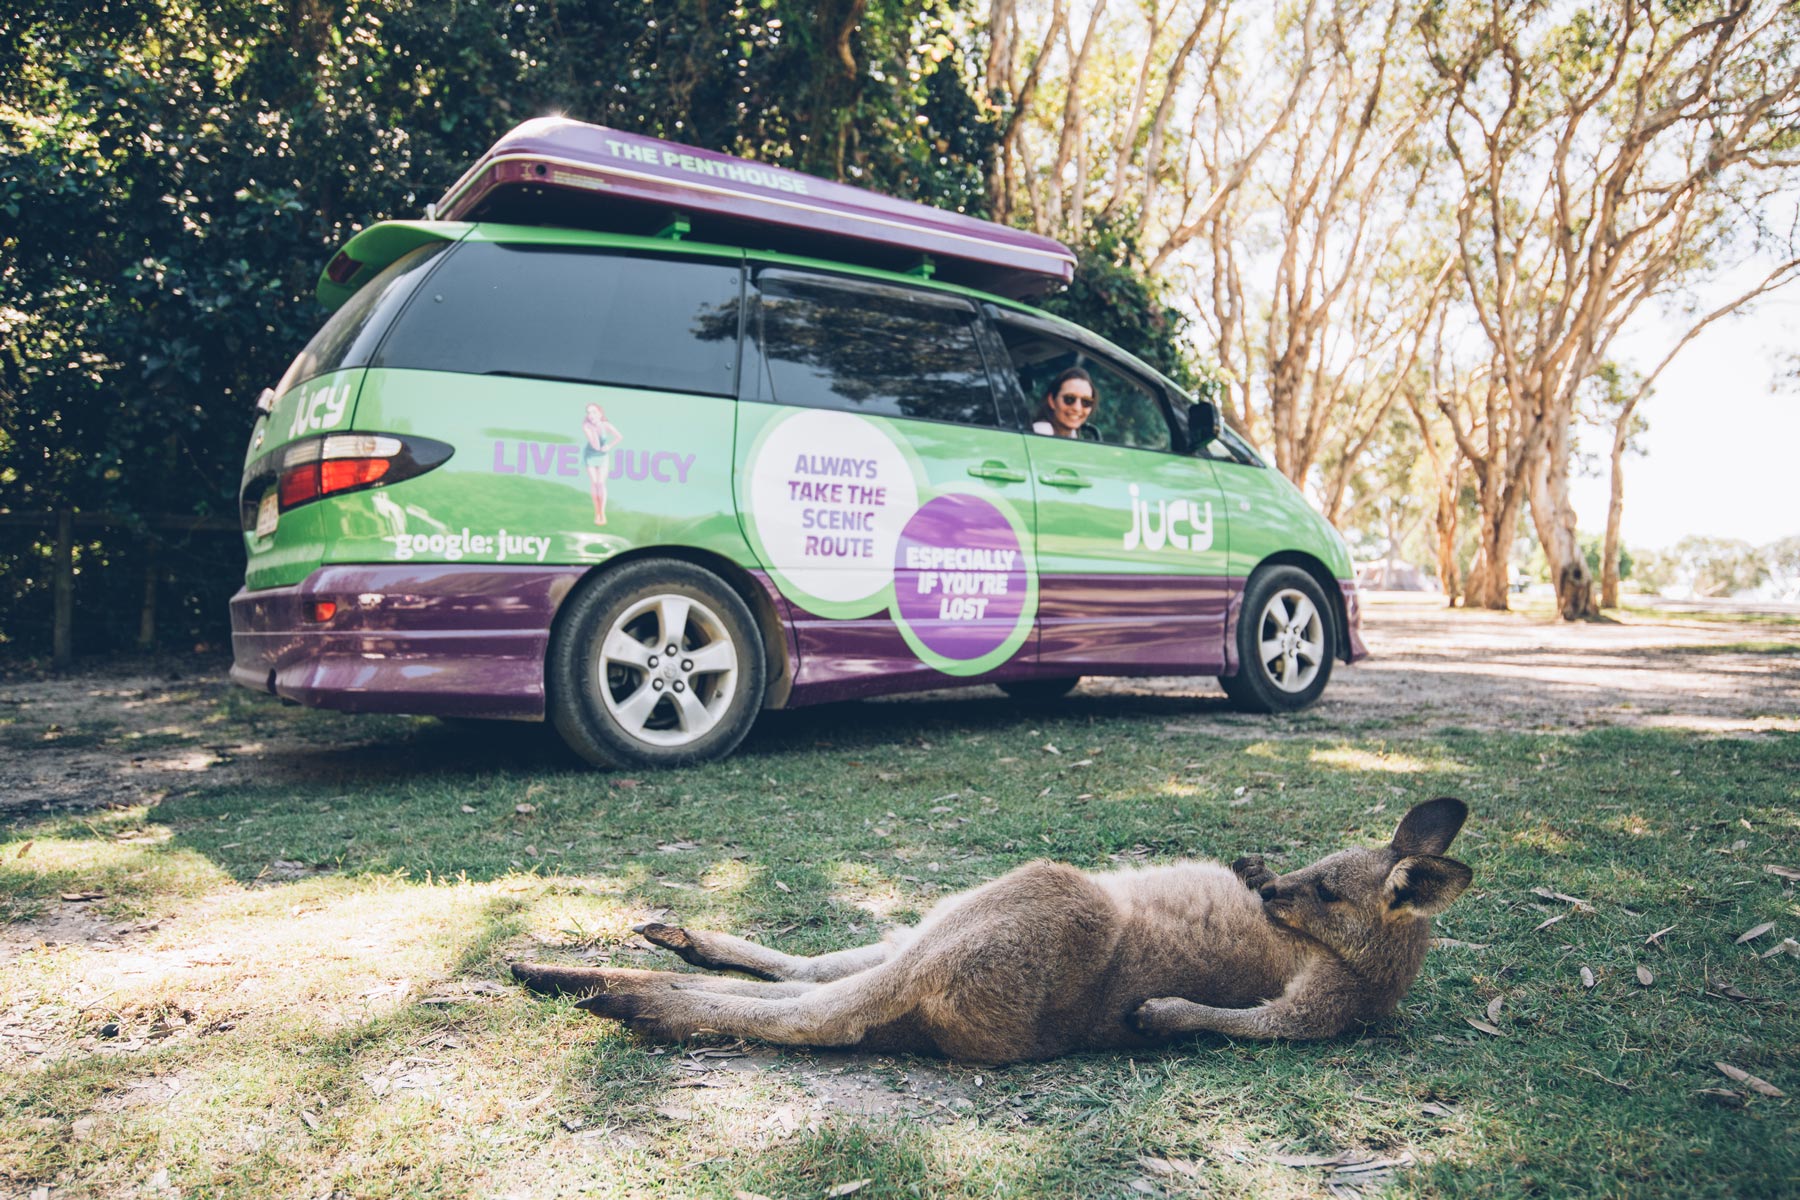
{"x": 336, "y": 463}
{"x": 321, "y": 610}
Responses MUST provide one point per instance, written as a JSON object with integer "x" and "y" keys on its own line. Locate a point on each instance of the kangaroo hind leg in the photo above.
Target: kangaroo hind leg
{"x": 723, "y": 952}
{"x": 551, "y": 979}
{"x": 830, "y": 1014}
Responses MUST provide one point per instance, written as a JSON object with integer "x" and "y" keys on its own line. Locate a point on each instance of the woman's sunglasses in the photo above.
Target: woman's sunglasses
{"x": 1084, "y": 401}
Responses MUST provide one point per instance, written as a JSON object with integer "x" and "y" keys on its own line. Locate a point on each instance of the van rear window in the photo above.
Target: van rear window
{"x": 587, "y": 316}
{"x": 349, "y": 338}
{"x": 870, "y": 349}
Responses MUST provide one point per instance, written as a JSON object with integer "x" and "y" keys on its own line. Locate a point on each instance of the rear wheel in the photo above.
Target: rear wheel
{"x": 1040, "y": 691}
{"x": 1286, "y": 641}
{"x": 658, "y": 663}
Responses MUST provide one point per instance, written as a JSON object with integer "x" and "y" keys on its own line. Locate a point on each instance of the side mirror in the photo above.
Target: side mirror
{"x": 1203, "y": 424}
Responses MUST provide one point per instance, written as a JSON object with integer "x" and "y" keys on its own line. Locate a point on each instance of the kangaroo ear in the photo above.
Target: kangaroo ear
{"x": 1430, "y": 827}
{"x": 1423, "y": 885}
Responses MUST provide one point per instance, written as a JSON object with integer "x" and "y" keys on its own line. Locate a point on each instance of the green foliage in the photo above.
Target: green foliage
{"x": 1721, "y": 566}
{"x": 174, "y": 177}
{"x": 1114, "y": 296}
{"x": 1593, "y": 545}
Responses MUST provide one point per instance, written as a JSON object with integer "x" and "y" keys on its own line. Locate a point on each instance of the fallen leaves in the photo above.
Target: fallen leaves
{"x": 1760, "y": 1086}
{"x": 82, "y": 897}
{"x": 1587, "y": 978}
{"x": 1724, "y": 990}
{"x": 524, "y": 810}
{"x": 1644, "y": 977}
{"x": 847, "y": 1189}
{"x": 1751, "y": 934}
{"x": 1484, "y": 1027}
{"x": 1169, "y": 1168}
{"x": 1655, "y": 939}
{"x": 1580, "y": 904}
{"x": 1787, "y": 873}
{"x": 1493, "y": 1008}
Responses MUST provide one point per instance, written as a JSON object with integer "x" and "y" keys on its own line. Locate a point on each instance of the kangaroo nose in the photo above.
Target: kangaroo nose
{"x": 1267, "y": 891}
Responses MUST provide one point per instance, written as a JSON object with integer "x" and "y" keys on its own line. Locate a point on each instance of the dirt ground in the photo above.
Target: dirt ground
{"x": 106, "y": 736}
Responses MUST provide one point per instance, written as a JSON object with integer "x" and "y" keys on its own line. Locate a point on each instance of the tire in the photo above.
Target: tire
{"x": 1286, "y": 612}
{"x": 1040, "y": 691}
{"x": 620, "y": 701}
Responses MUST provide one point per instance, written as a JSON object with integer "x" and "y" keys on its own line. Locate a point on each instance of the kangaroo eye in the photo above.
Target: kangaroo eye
{"x": 1326, "y": 895}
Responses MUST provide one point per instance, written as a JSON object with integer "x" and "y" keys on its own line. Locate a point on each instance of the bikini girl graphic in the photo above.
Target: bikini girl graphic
{"x": 599, "y": 436}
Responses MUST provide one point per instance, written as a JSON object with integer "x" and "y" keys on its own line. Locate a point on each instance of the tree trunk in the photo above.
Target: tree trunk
{"x": 1490, "y": 574}
{"x": 1615, "y": 509}
{"x": 1553, "y": 515}
{"x": 1445, "y": 524}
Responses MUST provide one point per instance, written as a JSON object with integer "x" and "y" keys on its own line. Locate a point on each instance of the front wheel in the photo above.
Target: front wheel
{"x": 658, "y": 663}
{"x": 1286, "y": 642}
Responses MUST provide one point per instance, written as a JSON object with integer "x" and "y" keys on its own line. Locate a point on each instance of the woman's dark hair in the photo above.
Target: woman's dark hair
{"x": 1071, "y": 373}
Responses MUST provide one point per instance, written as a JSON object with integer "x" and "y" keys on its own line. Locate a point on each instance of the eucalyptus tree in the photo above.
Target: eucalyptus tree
{"x": 1608, "y": 155}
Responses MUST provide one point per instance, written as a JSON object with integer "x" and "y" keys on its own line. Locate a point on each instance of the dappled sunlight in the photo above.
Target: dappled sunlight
{"x": 1542, "y": 837}
{"x": 861, "y": 885}
{"x": 1349, "y": 759}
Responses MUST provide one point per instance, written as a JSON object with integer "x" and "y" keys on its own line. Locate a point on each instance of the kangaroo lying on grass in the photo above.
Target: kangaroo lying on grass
{"x": 1047, "y": 959}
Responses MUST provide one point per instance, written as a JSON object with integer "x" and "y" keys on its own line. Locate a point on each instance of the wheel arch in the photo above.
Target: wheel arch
{"x": 778, "y": 653}
{"x": 1334, "y": 595}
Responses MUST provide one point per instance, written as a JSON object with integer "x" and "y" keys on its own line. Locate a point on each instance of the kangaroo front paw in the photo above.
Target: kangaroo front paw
{"x": 1251, "y": 870}
{"x": 1164, "y": 1016}
{"x": 683, "y": 943}
{"x": 701, "y": 949}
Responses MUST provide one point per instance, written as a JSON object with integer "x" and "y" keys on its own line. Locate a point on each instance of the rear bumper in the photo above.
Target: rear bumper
{"x": 438, "y": 640}
{"x": 1354, "y": 650}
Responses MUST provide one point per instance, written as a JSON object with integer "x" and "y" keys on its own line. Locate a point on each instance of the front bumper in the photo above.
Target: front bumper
{"x": 441, "y": 640}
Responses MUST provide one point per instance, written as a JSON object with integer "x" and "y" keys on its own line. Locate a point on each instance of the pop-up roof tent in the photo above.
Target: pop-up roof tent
{"x": 553, "y": 171}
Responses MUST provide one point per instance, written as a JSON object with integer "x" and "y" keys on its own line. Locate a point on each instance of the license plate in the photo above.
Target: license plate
{"x": 268, "y": 513}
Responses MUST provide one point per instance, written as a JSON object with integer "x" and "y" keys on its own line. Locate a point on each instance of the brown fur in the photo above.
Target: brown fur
{"x": 1046, "y": 959}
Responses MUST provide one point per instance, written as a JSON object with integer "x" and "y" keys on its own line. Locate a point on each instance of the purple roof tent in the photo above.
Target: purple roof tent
{"x": 553, "y": 171}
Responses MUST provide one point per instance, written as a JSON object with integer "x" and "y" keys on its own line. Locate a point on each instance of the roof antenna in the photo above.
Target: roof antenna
{"x": 923, "y": 269}
{"x": 676, "y": 227}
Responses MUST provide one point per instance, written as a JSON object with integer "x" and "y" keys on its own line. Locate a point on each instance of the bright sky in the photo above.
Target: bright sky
{"x": 1721, "y": 453}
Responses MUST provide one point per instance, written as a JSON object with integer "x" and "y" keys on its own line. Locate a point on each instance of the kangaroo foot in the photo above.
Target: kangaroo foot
{"x": 691, "y": 946}
{"x": 1251, "y": 870}
{"x": 550, "y": 979}
{"x": 644, "y": 1013}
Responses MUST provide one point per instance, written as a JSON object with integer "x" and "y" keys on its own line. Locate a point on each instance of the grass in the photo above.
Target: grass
{"x": 307, "y": 974}
{"x": 1640, "y": 609}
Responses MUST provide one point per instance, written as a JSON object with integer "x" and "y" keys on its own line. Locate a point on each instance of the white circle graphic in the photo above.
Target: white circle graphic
{"x": 829, "y": 494}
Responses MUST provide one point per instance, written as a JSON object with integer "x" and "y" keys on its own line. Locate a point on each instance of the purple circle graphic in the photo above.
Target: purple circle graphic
{"x": 959, "y": 576}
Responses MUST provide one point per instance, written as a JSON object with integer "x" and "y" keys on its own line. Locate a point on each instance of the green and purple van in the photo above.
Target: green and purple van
{"x": 641, "y": 440}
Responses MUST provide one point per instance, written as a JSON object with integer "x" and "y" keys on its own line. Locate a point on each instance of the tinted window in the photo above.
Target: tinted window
{"x": 1127, "y": 411}
{"x": 878, "y": 350}
{"x": 350, "y": 336}
{"x": 587, "y": 316}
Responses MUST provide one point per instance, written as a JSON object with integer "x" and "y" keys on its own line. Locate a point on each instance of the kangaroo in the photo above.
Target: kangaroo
{"x": 1047, "y": 959}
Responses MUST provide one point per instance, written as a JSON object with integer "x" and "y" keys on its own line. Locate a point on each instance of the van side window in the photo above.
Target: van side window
{"x": 1127, "y": 411}
{"x": 349, "y": 338}
{"x": 664, "y": 324}
{"x": 872, "y": 349}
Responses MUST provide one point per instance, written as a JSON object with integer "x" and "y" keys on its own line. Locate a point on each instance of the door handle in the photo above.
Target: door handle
{"x": 997, "y": 471}
{"x": 1066, "y": 479}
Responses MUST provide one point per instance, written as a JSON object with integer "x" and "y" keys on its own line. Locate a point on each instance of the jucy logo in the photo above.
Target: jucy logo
{"x": 1199, "y": 535}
